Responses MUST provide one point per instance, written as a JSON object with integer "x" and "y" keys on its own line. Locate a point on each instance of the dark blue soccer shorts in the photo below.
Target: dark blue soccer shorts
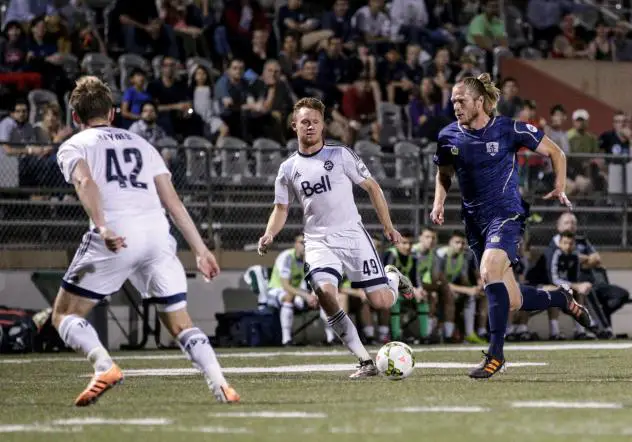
{"x": 499, "y": 233}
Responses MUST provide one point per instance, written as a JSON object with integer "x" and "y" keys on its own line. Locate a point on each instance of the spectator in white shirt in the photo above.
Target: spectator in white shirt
{"x": 372, "y": 23}
{"x": 408, "y": 19}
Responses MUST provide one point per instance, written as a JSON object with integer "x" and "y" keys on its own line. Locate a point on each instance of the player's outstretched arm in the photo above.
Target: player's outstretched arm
{"x": 443, "y": 181}
{"x": 548, "y": 148}
{"x": 173, "y": 204}
{"x": 90, "y": 197}
{"x": 277, "y": 220}
{"x": 381, "y": 208}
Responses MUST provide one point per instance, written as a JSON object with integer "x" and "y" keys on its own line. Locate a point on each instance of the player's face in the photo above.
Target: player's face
{"x": 299, "y": 246}
{"x": 427, "y": 239}
{"x": 466, "y": 106}
{"x": 404, "y": 246}
{"x": 457, "y": 244}
{"x": 567, "y": 245}
{"x": 567, "y": 222}
{"x": 309, "y": 126}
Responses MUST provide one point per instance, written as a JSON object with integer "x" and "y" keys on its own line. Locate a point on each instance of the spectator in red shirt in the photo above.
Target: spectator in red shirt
{"x": 241, "y": 18}
{"x": 359, "y": 106}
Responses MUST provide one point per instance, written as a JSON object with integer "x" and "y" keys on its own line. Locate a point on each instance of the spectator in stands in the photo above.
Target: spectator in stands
{"x": 51, "y": 130}
{"x": 258, "y": 54}
{"x": 175, "y": 111}
{"x": 333, "y": 68}
{"x": 363, "y": 62}
{"x": 584, "y": 170}
{"x": 274, "y": 104}
{"x": 564, "y": 268}
{"x": 338, "y": 20}
{"x": 231, "y": 93}
{"x": 554, "y": 130}
{"x": 134, "y": 97}
{"x": 400, "y": 90}
{"x": 568, "y": 44}
{"x": 544, "y": 16}
{"x": 147, "y": 127}
{"x": 622, "y": 44}
{"x": 306, "y": 84}
{"x": 487, "y": 30}
{"x": 602, "y": 47}
{"x": 359, "y": 106}
{"x": 428, "y": 111}
{"x": 142, "y": 27}
{"x": 187, "y": 23}
{"x": 509, "y": 103}
{"x": 409, "y": 19}
{"x": 13, "y": 48}
{"x": 22, "y": 11}
{"x": 617, "y": 140}
{"x": 291, "y": 17}
{"x": 202, "y": 93}
{"x": 469, "y": 68}
{"x": 40, "y": 47}
{"x": 531, "y": 166}
{"x": 85, "y": 38}
{"x": 390, "y": 70}
{"x": 373, "y": 25}
{"x": 290, "y": 57}
{"x": 440, "y": 68}
{"x": 242, "y": 17}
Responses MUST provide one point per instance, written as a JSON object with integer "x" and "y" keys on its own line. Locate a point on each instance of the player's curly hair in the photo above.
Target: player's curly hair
{"x": 485, "y": 87}
{"x": 91, "y": 99}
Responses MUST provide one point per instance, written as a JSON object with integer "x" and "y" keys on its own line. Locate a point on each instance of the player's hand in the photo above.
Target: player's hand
{"x": 264, "y": 243}
{"x": 392, "y": 235}
{"x": 207, "y": 265}
{"x": 113, "y": 242}
{"x": 561, "y": 196}
{"x": 436, "y": 216}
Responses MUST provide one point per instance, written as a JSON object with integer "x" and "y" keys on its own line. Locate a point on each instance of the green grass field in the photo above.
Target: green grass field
{"x": 309, "y": 398}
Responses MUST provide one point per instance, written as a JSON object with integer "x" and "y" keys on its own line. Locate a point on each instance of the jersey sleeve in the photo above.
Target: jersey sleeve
{"x": 282, "y": 194}
{"x": 284, "y": 265}
{"x": 443, "y": 156}
{"x": 354, "y": 167}
{"x": 67, "y": 157}
{"x": 526, "y": 135}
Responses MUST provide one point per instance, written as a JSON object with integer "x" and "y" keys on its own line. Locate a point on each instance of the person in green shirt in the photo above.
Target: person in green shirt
{"x": 487, "y": 30}
{"x": 434, "y": 282}
{"x": 402, "y": 258}
{"x": 287, "y": 288}
{"x": 459, "y": 266}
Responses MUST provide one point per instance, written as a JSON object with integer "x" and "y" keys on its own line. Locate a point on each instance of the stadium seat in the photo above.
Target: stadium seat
{"x": 531, "y": 54}
{"x": 616, "y": 179}
{"x": 389, "y": 117}
{"x": 156, "y": 64}
{"x": 268, "y": 156}
{"x": 197, "y": 152}
{"x": 101, "y": 66}
{"x": 194, "y": 62}
{"x": 371, "y": 154}
{"x": 127, "y": 63}
{"x": 70, "y": 64}
{"x": 404, "y": 168}
{"x": 37, "y": 99}
{"x": 234, "y": 158}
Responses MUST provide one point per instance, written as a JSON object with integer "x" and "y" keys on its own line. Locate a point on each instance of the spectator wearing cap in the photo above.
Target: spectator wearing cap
{"x": 617, "y": 140}
{"x": 134, "y": 97}
{"x": 584, "y": 171}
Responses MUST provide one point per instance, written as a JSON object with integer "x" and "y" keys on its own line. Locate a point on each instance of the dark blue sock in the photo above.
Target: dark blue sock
{"x": 534, "y": 299}
{"x": 498, "y": 298}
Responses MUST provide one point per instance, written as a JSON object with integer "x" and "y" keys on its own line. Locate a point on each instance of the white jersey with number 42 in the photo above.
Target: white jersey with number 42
{"x": 323, "y": 183}
{"x": 123, "y": 165}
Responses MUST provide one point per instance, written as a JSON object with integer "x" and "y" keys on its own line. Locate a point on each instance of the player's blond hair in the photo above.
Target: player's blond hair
{"x": 485, "y": 87}
{"x": 309, "y": 103}
{"x": 91, "y": 99}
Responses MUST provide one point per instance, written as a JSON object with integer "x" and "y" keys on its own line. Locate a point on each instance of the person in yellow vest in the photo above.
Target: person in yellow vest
{"x": 458, "y": 264}
{"x": 287, "y": 288}
{"x": 434, "y": 282}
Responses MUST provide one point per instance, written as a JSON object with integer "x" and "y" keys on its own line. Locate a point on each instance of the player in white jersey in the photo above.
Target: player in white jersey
{"x": 123, "y": 184}
{"x": 321, "y": 177}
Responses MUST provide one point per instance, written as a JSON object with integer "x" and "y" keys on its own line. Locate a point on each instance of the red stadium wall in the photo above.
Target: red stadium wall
{"x": 551, "y": 82}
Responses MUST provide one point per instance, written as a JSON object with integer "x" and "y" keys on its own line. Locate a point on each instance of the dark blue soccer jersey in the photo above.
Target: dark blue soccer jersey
{"x": 486, "y": 165}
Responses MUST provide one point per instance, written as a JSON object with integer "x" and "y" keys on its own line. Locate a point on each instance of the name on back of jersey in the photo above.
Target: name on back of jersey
{"x": 321, "y": 186}
{"x": 114, "y": 136}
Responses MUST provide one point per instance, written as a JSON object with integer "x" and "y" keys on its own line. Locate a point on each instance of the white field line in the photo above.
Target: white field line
{"x": 435, "y": 409}
{"x": 302, "y": 368}
{"x": 333, "y": 353}
{"x": 272, "y": 414}
{"x": 102, "y": 421}
{"x": 561, "y": 404}
{"x": 36, "y": 428}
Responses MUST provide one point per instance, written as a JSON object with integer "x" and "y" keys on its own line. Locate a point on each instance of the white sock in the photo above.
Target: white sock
{"x": 469, "y": 314}
{"x": 510, "y": 329}
{"x": 286, "y": 316}
{"x": 78, "y": 334}
{"x": 554, "y": 327}
{"x": 329, "y": 332}
{"x": 369, "y": 331}
{"x": 522, "y": 328}
{"x": 432, "y": 325}
{"x": 448, "y": 329}
{"x": 346, "y": 331}
{"x": 195, "y": 345}
{"x": 393, "y": 283}
{"x": 382, "y": 332}
{"x": 579, "y": 328}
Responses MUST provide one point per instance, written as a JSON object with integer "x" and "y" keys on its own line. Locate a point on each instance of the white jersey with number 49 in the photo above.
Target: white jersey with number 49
{"x": 123, "y": 165}
{"x": 323, "y": 183}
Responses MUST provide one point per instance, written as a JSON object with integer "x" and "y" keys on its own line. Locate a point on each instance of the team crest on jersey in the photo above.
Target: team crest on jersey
{"x": 494, "y": 239}
{"x": 328, "y": 165}
{"x": 297, "y": 175}
{"x": 454, "y": 150}
{"x": 492, "y": 148}
{"x": 532, "y": 128}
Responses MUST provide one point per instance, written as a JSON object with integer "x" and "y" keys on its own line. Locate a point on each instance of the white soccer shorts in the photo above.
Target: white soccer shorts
{"x": 149, "y": 262}
{"x": 350, "y": 251}
{"x": 276, "y": 295}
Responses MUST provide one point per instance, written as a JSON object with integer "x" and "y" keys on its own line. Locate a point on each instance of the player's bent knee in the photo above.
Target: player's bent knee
{"x": 381, "y": 299}
{"x": 67, "y": 303}
{"x": 176, "y": 321}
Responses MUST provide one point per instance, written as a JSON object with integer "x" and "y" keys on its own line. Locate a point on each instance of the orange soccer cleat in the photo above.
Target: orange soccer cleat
{"x": 227, "y": 394}
{"x": 99, "y": 384}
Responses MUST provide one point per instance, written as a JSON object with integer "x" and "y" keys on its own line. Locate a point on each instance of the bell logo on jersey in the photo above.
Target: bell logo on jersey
{"x": 324, "y": 185}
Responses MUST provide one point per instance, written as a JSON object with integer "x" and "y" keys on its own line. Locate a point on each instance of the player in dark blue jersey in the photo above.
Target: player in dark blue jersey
{"x": 480, "y": 147}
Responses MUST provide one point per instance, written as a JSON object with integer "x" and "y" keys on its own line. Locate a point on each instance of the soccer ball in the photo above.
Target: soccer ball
{"x": 395, "y": 360}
